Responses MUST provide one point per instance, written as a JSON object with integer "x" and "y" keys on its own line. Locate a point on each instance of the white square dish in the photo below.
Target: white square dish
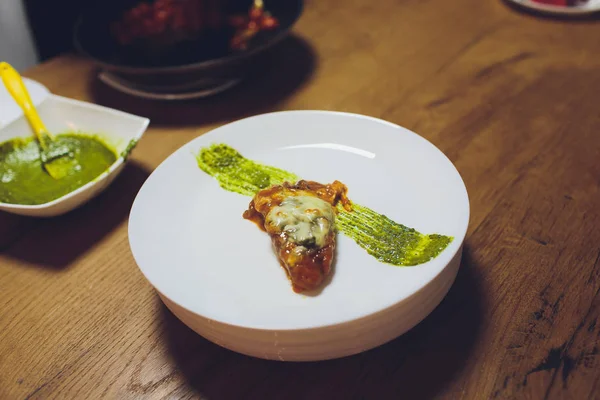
{"x": 118, "y": 129}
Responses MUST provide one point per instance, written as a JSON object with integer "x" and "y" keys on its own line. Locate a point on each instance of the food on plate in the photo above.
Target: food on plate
{"x": 24, "y": 181}
{"x": 381, "y": 237}
{"x": 238, "y": 174}
{"x": 300, "y": 218}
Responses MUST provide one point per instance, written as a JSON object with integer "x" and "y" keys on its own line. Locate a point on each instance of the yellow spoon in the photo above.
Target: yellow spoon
{"x": 56, "y": 158}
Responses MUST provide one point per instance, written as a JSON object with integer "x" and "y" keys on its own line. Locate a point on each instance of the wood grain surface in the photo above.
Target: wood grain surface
{"x": 511, "y": 98}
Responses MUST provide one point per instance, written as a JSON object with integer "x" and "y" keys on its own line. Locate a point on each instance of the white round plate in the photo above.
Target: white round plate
{"x": 218, "y": 274}
{"x": 587, "y": 7}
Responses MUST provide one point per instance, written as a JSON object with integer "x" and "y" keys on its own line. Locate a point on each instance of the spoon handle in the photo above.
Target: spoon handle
{"x": 14, "y": 84}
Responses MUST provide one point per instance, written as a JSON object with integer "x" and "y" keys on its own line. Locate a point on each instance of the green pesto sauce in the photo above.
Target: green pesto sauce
{"x": 130, "y": 146}
{"x": 384, "y": 239}
{"x": 23, "y": 179}
{"x": 238, "y": 174}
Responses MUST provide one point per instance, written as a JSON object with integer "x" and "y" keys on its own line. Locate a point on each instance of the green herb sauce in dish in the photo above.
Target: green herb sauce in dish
{"x": 384, "y": 239}
{"x": 24, "y": 181}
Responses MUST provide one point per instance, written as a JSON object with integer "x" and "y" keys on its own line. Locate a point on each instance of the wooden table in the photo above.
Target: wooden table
{"x": 511, "y": 98}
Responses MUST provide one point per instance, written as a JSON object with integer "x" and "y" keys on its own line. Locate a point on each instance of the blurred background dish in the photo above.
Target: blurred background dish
{"x": 573, "y": 7}
{"x": 183, "y": 48}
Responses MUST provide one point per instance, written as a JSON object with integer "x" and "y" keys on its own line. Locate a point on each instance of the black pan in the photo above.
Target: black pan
{"x": 206, "y": 58}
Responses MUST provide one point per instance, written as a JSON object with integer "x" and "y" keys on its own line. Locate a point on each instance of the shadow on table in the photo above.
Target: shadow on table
{"x": 417, "y": 365}
{"x": 574, "y": 18}
{"x": 287, "y": 67}
{"x": 56, "y": 242}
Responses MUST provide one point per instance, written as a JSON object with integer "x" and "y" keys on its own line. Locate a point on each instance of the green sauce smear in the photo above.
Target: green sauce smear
{"x": 238, "y": 174}
{"x": 130, "y": 146}
{"x": 24, "y": 181}
{"x": 384, "y": 239}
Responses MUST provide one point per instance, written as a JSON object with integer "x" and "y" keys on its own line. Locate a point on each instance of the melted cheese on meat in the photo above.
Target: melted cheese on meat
{"x": 306, "y": 220}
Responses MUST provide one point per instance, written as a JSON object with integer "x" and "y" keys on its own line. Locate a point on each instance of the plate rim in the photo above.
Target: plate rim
{"x": 589, "y": 8}
{"x": 449, "y": 256}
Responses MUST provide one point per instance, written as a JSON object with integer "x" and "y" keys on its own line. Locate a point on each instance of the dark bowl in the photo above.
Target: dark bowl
{"x": 207, "y": 58}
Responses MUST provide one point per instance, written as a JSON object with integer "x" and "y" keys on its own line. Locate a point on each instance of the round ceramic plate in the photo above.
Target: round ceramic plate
{"x": 217, "y": 272}
{"x": 584, "y": 7}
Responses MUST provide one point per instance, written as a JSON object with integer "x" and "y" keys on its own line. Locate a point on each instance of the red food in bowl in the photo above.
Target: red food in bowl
{"x": 167, "y": 20}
